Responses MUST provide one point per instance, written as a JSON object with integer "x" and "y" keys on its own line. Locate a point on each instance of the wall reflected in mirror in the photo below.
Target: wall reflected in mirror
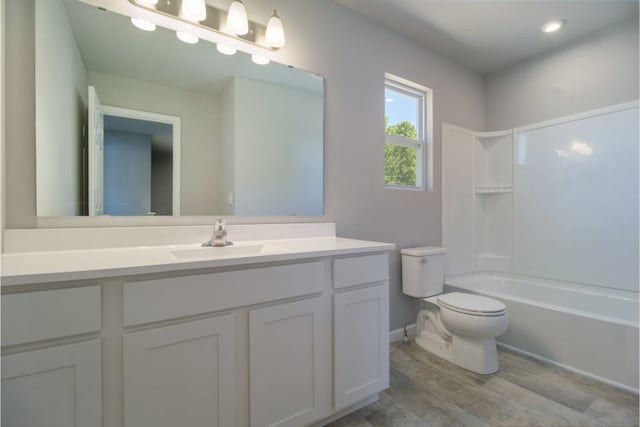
{"x": 139, "y": 123}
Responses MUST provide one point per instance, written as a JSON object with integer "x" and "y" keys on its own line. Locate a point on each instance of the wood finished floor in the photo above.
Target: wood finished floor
{"x": 428, "y": 391}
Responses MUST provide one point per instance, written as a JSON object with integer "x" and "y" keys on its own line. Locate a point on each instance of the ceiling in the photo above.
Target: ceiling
{"x": 489, "y": 35}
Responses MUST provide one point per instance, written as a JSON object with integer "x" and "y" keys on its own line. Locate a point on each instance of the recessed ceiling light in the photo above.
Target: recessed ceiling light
{"x": 553, "y": 26}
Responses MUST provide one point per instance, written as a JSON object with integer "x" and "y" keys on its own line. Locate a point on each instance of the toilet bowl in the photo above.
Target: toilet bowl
{"x": 456, "y": 326}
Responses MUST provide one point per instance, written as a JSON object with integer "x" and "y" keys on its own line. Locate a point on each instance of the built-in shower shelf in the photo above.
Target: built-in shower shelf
{"x": 493, "y": 189}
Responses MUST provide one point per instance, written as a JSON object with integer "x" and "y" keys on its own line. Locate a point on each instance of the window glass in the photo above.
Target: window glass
{"x": 400, "y": 165}
{"x": 401, "y": 114}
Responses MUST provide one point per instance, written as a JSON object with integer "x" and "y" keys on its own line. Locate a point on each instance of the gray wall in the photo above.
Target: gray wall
{"x": 278, "y": 158}
{"x": 353, "y": 54}
{"x": 225, "y": 162}
{"x": 596, "y": 71}
{"x": 161, "y": 182}
{"x": 61, "y": 89}
{"x": 199, "y": 118}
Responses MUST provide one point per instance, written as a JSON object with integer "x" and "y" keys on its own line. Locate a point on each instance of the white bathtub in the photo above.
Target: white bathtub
{"x": 589, "y": 330}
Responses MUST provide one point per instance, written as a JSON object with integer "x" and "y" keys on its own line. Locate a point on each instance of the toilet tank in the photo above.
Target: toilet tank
{"x": 423, "y": 271}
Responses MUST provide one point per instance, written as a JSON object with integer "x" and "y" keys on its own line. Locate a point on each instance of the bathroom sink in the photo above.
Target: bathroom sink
{"x": 226, "y": 251}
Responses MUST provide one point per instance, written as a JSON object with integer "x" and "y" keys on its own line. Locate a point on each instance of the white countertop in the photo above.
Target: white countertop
{"x": 22, "y": 268}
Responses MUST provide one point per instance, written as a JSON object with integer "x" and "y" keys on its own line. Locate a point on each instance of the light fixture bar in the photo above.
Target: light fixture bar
{"x": 215, "y": 21}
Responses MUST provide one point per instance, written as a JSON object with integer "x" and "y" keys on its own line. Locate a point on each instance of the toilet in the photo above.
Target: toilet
{"x": 456, "y": 326}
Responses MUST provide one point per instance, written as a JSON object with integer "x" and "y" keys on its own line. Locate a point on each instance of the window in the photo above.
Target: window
{"x": 407, "y": 124}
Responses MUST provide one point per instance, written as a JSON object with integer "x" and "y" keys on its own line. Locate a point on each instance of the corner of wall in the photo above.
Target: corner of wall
{"x": 2, "y": 169}
{"x": 485, "y": 111}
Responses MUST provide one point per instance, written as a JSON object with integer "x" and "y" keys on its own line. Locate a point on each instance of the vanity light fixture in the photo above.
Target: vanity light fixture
{"x": 553, "y": 26}
{"x": 237, "y": 21}
{"x": 274, "y": 35}
{"x": 259, "y": 59}
{"x": 187, "y": 37}
{"x": 193, "y": 10}
{"x": 225, "y": 49}
{"x": 230, "y": 29}
{"x": 143, "y": 24}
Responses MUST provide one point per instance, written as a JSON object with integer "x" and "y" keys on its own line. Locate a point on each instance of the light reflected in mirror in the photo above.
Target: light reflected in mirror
{"x": 135, "y": 123}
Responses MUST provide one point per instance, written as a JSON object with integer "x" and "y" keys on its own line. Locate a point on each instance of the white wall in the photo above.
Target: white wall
{"x": 199, "y": 123}
{"x": 278, "y": 149}
{"x": 61, "y": 92}
{"x": 353, "y": 54}
{"x": 596, "y": 71}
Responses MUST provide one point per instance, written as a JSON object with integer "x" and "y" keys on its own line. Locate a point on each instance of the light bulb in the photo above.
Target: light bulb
{"x": 193, "y": 10}
{"x": 147, "y": 2}
{"x": 143, "y": 25}
{"x": 259, "y": 59}
{"x": 226, "y": 50}
{"x": 275, "y": 32}
{"x": 553, "y": 26}
{"x": 237, "y": 22}
{"x": 187, "y": 37}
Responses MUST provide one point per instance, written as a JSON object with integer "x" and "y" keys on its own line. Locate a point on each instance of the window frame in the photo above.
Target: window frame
{"x": 423, "y": 143}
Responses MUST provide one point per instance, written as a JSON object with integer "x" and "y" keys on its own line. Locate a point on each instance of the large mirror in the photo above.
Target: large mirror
{"x": 139, "y": 123}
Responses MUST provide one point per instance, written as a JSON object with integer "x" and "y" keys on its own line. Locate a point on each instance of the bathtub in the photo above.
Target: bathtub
{"x": 589, "y": 330}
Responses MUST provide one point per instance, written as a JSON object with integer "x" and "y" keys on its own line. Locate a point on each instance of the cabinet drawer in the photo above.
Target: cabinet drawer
{"x": 35, "y": 316}
{"x": 161, "y": 299}
{"x": 358, "y": 270}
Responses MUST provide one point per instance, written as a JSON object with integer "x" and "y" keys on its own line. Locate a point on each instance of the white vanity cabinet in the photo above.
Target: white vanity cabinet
{"x": 287, "y": 376}
{"x": 360, "y": 329}
{"x": 181, "y": 375}
{"x": 50, "y": 381}
{"x": 288, "y": 343}
{"x": 53, "y": 387}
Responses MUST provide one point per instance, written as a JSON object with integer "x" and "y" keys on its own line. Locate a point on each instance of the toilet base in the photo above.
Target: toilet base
{"x": 480, "y": 356}
{"x": 476, "y": 355}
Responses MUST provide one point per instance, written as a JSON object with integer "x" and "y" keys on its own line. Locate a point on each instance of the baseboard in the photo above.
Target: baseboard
{"x": 569, "y": 368}
{"x": 398, "y": 334}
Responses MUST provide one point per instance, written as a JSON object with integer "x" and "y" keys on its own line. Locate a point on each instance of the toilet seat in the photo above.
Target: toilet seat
{"x": 473, "y": 305}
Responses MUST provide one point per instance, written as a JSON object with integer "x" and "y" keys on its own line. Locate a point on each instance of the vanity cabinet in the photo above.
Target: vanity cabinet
{"x": 361, "y": 344}
{"x": 46, "y": 383}
{"x": 360, "y": 328}
{"x": 53, "y": 387}
{"x": 288, "y": 382}
{"x": 282, "y": 344}
{"x": 181, "y": 375}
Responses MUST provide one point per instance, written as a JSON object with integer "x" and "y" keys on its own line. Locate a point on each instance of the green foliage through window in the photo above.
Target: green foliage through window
{"x": 399, "y": 160}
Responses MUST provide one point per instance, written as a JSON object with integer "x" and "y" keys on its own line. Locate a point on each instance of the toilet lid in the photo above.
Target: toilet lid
{"x": 472, "y": 304}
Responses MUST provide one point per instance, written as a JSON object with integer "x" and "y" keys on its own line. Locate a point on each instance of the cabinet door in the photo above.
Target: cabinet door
{"x": 361, "y": 344}
{"x": 54, "y": 387}
{"x": 181, "y": 375}
{"x": 286, "y": 364}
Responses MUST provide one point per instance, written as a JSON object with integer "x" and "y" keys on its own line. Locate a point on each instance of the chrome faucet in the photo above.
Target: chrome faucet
{"x": 219, "y": 237}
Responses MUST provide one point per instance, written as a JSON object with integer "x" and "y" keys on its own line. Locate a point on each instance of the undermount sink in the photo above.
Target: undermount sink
{"x": 213, "y": 252}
